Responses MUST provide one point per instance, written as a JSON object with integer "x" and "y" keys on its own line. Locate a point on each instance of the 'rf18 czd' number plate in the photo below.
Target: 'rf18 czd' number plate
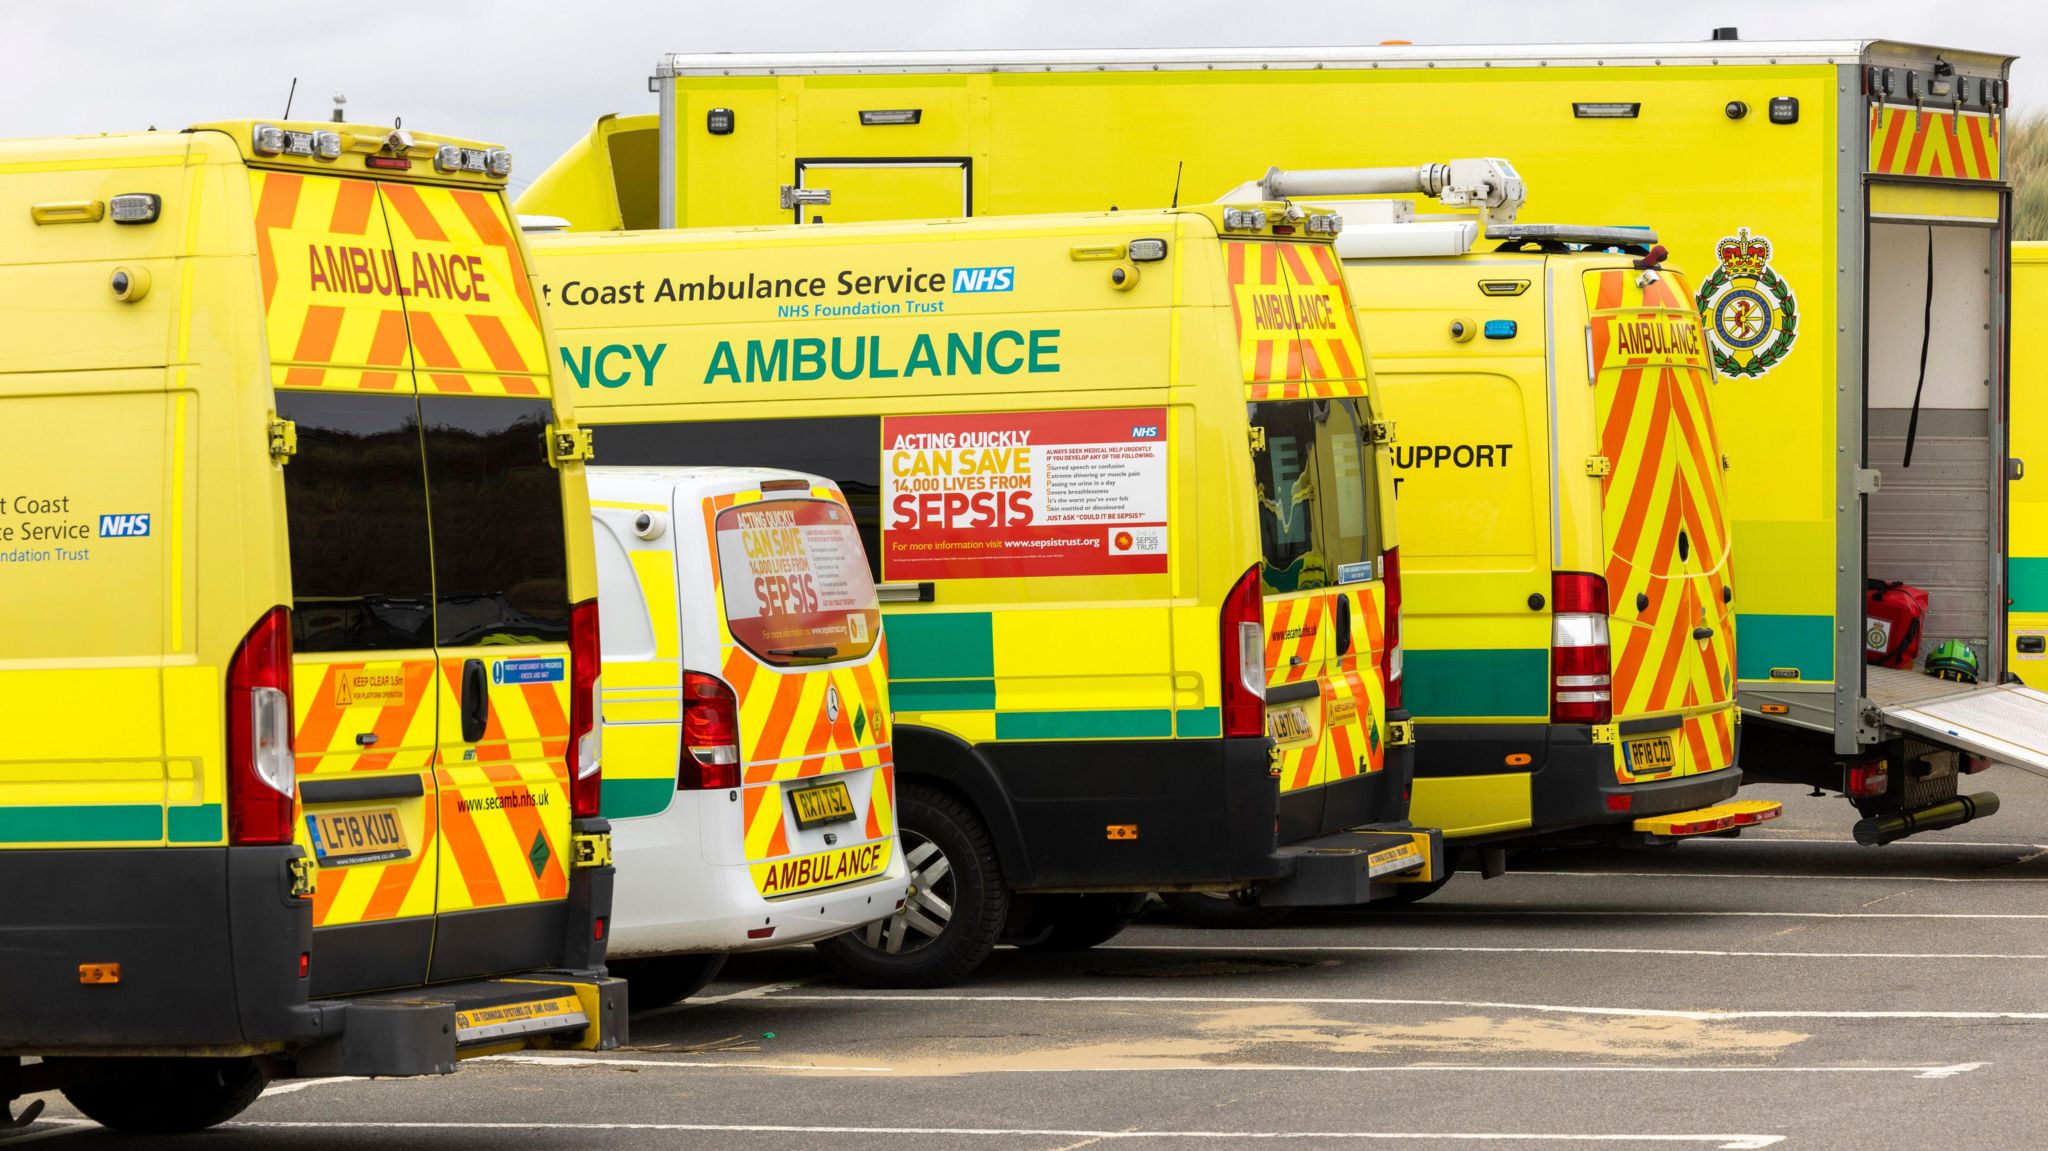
{"x": 828, "y": 803}
{"x": 1646, "y": 756}
{"x": 1289, "y": 724}
{"x": 340, "y": 838}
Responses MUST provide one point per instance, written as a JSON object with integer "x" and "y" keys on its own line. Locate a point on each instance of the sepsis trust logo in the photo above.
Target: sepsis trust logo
{"x": 351, "y": 269}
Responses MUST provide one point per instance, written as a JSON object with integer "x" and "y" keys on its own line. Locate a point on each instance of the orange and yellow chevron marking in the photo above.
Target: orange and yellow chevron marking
{"x": 1665, "y": 481}
{"x": 335, "y": 702}
{"x": 766, "y": 836}
{"x": 1297, "y": 336}
{"x": 509, "y": 795}
{"x": 1907, "y": 141}
{"x": 882, "y": 803}
{"x": 1293, "y": 636}
{"x": 370, "y": 285}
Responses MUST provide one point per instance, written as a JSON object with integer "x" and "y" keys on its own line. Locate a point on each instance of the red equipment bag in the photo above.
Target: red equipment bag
{"x": 1893, "y": 613}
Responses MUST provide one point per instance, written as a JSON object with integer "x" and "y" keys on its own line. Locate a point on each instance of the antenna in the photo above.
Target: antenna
{"x": 1178, "y": 165}
{"x": 288, "y": 98}
{"x": 339, "y": 100}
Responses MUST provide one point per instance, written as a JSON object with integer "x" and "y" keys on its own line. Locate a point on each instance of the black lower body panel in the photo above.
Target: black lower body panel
{"x": 208, "y": 940}
{"x": 1137, "y": 815}
{"x": 1572, "y": 781}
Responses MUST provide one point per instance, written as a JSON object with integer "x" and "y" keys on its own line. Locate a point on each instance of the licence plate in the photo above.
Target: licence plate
{"x": 827, "y": 803}
{"x": 1649, "y": 755}
{"x": 1289, "y": 725}
{"x": 370, "y": 835}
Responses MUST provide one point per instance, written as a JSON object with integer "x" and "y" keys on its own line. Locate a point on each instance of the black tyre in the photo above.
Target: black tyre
{"x": 666, "y": 979}
{"x": 167, "y": 1096}
{"x": 1204, "y": 909}
{"x": 954, "y": 908}
{"x": 1074, "y": 922}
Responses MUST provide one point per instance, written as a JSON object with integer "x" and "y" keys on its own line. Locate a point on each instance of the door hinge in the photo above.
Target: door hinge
{"x": 567, "y": 445}
{"x": 304, "y": 878}
{"x": 1382, "y": 431}
{"x": 1400, "y": 732}
{"x": 593, "y": 850}
{"x": 284, "y": 439}
{"x": 1599, "y": 466}
{"x": 795, "y": 197}
{"x": 1868, "y": 481}
{"x": 1606, "y": 733}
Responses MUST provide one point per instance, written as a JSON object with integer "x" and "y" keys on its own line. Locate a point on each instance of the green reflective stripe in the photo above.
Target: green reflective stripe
{"x": 1805, "y": 642}
{"x": 941, "y": 645}
{"x": 1133, "y": 724}
{"x": 82, "y": 823}
{"x": 1199, "y": 723}
{"x": 626, "y": 798}
{"x": 1446, "y": 683}
{"x": 195, "y": 823}
{"x": 941, "y": 694}
{"x": 2027, "y": 583}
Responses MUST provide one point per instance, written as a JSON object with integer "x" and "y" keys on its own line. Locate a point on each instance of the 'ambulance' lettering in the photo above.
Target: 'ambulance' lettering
{"x": 353, "y": 270}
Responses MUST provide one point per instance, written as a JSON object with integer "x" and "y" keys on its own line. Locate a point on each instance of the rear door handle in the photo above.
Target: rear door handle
{"x": 1343, "y": 624}
{"x": 476, "y": 700}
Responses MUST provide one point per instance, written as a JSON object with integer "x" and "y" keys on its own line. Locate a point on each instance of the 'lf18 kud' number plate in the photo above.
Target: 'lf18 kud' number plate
{"x": 370, "y": 835}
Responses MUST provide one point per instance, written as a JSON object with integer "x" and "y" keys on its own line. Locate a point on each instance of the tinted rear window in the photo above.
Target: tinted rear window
{"x": 844, "y": 449}
{"x": 356, "y": 517}
{"x": 1318, "y": 493}
{"x": 500, "y": 557}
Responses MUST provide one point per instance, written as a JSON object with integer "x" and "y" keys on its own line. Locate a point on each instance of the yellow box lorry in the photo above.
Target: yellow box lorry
{"x": 1124, "y": 483}
{"x": 298, "y": 632}
{"x": 1810, "y": 185}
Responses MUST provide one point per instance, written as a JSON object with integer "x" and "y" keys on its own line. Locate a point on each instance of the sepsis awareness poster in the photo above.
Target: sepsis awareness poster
{"x": 1021, "y": 494}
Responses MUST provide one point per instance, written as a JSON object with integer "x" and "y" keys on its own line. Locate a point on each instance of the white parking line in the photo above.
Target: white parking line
{"x": 291, "y": 1086}
{"x": 1725, "y": 1142}
{"x": 752, "y": 1065}
{"x": 1794, "y": 835}
{"x": 728, "y": 997}
{"x": 1284, "y": 948}
{"x": 1745, "y": 875}
{"x": 1450, "y": 912}
{"x": 1924, "y": 1071}
{"x": 1469, "y": 1004}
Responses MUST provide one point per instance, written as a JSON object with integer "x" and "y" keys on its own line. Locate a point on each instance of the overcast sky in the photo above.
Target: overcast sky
{"x": 534, "y": 75}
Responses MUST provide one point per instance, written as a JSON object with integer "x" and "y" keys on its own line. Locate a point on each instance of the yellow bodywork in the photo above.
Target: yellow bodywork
{"x": 2027, "y": 569}
{"x": 1074, "y": 326}
{"x": 143, "y": 367}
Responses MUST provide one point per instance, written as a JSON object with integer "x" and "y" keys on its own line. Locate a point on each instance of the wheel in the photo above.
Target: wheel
{"x": 1073, "y": 922}
{"x": 1209, "y": 909}
{"x": 953, "y": 909}
{"x": 665, "y": 979}
{"x": 167, "y": 1096}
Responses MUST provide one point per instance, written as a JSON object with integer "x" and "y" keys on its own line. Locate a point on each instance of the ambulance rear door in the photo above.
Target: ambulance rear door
{"x": 1664, "y": 520}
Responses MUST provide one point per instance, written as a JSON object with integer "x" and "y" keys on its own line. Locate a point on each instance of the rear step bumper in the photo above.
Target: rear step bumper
{"x": 1719, "y": 819}
{"x": 1355, "y": 867}
{"x": 424, "y": 1031}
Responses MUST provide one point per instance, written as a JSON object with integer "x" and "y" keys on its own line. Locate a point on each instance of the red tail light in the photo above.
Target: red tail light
{"x": 711, "y": 734}
{"x": 1581, "y": 683}
{"x": 262, "y": 774}
{"x": 1390, "y": 655}
{"x": 1870, "y": 779}
{"x": 1244, "y": 658}
{"x": 586, "y": 738}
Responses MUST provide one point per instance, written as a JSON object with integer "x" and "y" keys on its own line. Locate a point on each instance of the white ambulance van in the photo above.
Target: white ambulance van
{"x": 745, "y": 698}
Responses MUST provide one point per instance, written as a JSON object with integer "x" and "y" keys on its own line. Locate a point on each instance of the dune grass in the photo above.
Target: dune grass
{"x": 2026, "y": 165}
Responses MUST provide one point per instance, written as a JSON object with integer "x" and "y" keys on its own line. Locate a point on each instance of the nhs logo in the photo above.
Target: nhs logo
{"x": 132, "y": 524}
{"x": 984, "y": 279}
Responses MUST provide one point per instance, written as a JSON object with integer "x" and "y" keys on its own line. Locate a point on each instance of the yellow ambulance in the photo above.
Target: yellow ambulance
{"x": 298, "y": 651}
{"x": 1569, "y": 575}
{"x": 746, "y": 717}
{"x": 1817, "y": 307}
{"x": 1124, "y": 485}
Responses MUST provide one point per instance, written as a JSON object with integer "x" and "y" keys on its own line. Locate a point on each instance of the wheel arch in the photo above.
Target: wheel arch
{"x": 941, "y": 759}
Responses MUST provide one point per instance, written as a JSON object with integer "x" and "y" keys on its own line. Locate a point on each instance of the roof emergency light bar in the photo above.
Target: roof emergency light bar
{"x": 1489, "y": 184}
